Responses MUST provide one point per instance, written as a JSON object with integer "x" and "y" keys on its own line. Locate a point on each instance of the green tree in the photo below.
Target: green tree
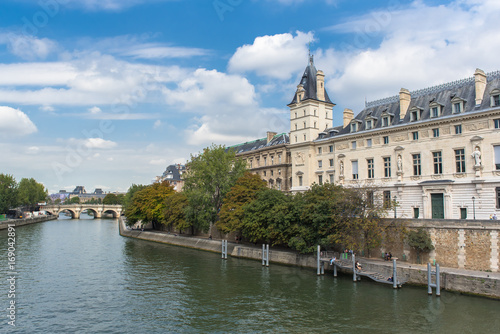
{"x": 420, "y": 240}
{"x": 127, "y": 200}
{"x": 30, "y": 193}
{"x": 148, "y": 204}
{"x": 270, "y": 217}
{"x": 209, "y": 178}
{"x": 111, "y": 199}
{"x": 8, "y": 193}
{"x": 74, "y": 200}
{"x": 243, "y": 192}
{"x": 175, "y": 212}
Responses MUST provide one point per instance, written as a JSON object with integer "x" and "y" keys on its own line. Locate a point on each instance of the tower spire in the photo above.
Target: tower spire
{"x": 311, "y": 57}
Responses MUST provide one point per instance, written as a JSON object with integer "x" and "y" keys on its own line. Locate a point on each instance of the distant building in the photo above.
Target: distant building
{"x": 173, "y": 175}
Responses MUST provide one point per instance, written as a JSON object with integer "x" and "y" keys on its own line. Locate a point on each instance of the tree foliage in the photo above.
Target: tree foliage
{"x": 148, "y": 204}
{"x": 420, "y": 240}
{"x": 112, "y": 199}
{"x": 210, "y": 176}
{"x": 175, "y": 212}
{"x": 242, "y": 193}
{"x": 127, "y": 200}
{"x": 8, "y": 193}
{"x": 30, "y": 193}
{"x": 74, "y": 200}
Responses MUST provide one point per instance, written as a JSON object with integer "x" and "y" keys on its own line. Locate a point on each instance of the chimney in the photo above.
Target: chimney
{"x": 348, "y": 116}
{"x": 480, "y": 80}
{"x": 320, "y": 85}
{"x": 404, "y": 102}
{"x": 270, "y": 135}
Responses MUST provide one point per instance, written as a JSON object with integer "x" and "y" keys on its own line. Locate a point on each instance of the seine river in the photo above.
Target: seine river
{"x": 81, "y": 276}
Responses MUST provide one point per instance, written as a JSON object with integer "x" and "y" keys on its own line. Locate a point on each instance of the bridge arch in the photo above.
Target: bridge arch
{"x": 113, "y": 212}
{"x": 95, "y": 213}
{"x": 73, "y": 213}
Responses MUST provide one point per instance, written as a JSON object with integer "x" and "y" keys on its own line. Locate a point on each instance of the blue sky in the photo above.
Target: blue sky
{"x": 106, "y": 93}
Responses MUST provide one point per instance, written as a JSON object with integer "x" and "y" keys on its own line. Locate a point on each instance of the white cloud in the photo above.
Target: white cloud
{"x": 99, "y": 143}
{"x": 28, "y": 47}
{"x": 95, "y": 110}
{"x": 420, "y": 46}
{"x": 157, "y": 124}
{"x": 14, "y": 122}
{"x": 277, "y": 56}
{"x": 157, "y": 162}
{"x": 47, "y": 108}
{"x": 155, "y": 51}
{"x": 33, "y": 150}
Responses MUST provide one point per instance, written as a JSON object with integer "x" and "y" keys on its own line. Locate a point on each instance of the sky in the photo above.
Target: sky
{"x": 108, "y": 93}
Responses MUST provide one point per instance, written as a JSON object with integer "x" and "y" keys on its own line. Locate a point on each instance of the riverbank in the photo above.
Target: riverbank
{"x": 25, "y": 221}
{"x": 486, "y": 284}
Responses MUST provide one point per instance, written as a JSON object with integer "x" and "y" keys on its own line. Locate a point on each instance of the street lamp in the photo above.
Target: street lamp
{"x": 395, "y": 205}
{"x": 473, "y": 207}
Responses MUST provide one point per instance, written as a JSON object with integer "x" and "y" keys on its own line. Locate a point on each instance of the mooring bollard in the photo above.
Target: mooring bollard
{"x": 267, "y": 255}
{"x": 354, "y": 278}
{"x": 431, "y": 285}
{"x": 263, "y": 254}
{"x": 318, "y": 272}
{"x": 224, "y": 249}
{"x": 394, "y": 274}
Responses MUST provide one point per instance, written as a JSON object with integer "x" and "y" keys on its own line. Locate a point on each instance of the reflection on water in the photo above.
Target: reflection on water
{"x": 81, "y": 276}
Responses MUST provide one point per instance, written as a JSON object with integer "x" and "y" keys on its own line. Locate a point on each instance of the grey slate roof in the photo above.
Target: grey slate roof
{"x": 308, "y": 81}
{"x": 442, "y": 94}
{"x": 173, "y": 173}
{"x": 260, "y": 143}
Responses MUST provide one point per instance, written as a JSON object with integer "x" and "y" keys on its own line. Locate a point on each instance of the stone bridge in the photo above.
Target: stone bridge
{"x": 76, "y": 209}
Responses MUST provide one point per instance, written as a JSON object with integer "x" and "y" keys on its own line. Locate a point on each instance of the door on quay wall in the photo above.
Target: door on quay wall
{"x": 437, "y": 203}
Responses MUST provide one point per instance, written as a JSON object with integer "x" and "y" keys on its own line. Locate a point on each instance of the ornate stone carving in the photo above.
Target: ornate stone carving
{"x": 401, "y": 137}
{"x": 459, "y": 175}
{"x": 446, "y": 130}
{"x": 376, "y": 141}
{"x": 415, "y": 177}
{"x": 436, "y": 176}
{"x": 299, "y": 158}
{"x": 342, "y": 146}
{"x": 476, "y": 126}
{"x": 424, "y": 133}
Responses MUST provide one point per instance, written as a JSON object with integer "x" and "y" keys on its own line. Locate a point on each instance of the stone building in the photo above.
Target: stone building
{"x": 173, "y": 175}
{"x": 268, "y": 157}
{"x": 435, "y": 151}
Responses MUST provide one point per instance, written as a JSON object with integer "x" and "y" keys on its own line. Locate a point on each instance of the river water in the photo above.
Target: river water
{"x": 81, "y": 276}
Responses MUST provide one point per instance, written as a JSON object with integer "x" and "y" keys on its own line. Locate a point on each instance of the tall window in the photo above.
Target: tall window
{"x": 460, "y": 160}
{"x": 385, "y": 121}
{"x": 330, "y": 148}
{"x": 368, "y": 143}
{"x": 497, "y": 123}
{"x": 300, "y": 180}
{"x": 497, "y": 157}
{"x": 438, "y": 162}
{"x": 415, "y": 115}
{"x": 320, "y": 179}
{"x": 434, "y": 111}
{"x": 251, "y": 163}
{"x": 386, "y": 140}
{"x": 387, "y": 167}
{"x": 458, "y": 129}
{"x": 331, "y": 162}
{"x": 387, "y": 199}
{"x": 369, "y": 197}
{"x": 371, "y": 168}
{"x": 265, "y": 161}
{"x": 417, "y": 164}
{"x": 354, "y": 127}
{"x": 498, "y": 197}
{"x": 495, "y": 100}
{"x": 353, "y": 145}
{"x": 279, "y": 158}
{"x": 331, "y": 178}
{"x": 320, "y": 163}
{"x": 320, "y": 150}
{"x": 355, "y": 169}
{"x": 457, "y": 107}
{"x": 272, "y": 159}
{"x": 415, "y": 135}
{"x": 435, "y": 132}
{"x": 369, "y": 124}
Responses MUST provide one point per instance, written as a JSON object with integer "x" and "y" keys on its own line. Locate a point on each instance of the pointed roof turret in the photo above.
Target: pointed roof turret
{"x": 309, "y": 84}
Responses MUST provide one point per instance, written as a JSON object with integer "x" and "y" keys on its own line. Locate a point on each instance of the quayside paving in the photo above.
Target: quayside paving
{"x": 486, "y": 284}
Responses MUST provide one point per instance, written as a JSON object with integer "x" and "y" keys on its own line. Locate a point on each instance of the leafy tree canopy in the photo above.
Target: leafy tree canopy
{"x": 210, "y": 176}
{"x": 175, "y": 212}
{"x": 8, "y": 193}
{"x": 30, "y": 193}
{"x": 111, "y": 199}
{"x": 420, "y": 240}
{"x": 242, "y": 193}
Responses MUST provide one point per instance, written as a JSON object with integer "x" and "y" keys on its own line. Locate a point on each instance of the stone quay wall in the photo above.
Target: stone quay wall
{"x": 462, "y": 244}
{"x": 25, "y": 221}
{"x": 471, "y": 282}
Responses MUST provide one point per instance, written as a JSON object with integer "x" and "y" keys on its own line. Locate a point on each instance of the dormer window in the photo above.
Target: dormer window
{"x": 354, "y": 127}
{"x": 386, "y": 118}
{"x": 436, "y": 109}
{"x": 495, "y": 97}
{"x": 369, "y": 124}
{"x": 457, "y": 105}
{"x": 415, "y": 114}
